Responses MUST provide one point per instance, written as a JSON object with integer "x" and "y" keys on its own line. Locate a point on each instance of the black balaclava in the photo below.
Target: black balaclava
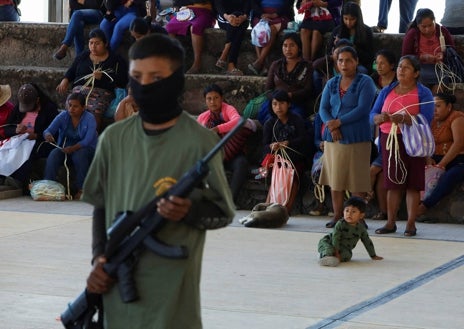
{"x": 159, "y": 101}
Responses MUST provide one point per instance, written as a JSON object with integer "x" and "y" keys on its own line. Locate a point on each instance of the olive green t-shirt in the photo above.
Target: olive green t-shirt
{"x": 127, "y": 164}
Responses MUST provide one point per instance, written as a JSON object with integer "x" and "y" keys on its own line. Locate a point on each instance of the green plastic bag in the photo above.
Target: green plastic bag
{"x": 252, "y": 108}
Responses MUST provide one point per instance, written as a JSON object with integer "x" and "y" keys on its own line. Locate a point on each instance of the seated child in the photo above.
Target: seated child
{"x": 337, "y": 246}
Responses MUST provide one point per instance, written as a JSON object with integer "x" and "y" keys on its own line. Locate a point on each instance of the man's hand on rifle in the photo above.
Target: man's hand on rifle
{"x": 99, "y": 281}
{"x": 174, "y": 208}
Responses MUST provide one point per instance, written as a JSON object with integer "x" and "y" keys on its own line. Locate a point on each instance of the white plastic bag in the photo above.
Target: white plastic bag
{"x": 14, "y": 151}
{"x": 261, "y": 34}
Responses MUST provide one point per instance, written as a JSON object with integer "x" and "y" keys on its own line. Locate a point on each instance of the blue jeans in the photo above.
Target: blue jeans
{"x": 407, "y": 9}
{"x": 384, "y": 9}
{"x": 75, "y": 30}
{"x": 115, "y": 29}
{"x": 8, "y": 13}
{"x": 80, "y": 159}
{"x": 453, "y": 176}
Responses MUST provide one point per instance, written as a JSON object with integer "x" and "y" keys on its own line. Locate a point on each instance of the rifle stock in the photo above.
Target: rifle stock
{"x": 133, "y": 230}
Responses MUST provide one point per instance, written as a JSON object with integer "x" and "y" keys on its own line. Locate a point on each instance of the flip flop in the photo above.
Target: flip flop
{"x": 235, "y": 72}
{"x": 221, "y": 64}
{"x": 253, "y": 69}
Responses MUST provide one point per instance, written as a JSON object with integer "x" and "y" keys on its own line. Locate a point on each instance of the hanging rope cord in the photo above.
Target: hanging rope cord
{"x": 283, "y": 150}
{"x": 392, "y": 144}
{"x": 65, "y": 163}
{"x": 442, "y": 71}
{"x": 90, "y": 79}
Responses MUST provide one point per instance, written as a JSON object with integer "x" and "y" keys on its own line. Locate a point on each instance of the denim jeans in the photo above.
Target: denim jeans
{"x": 75, "y": 30}
{"x": 115, "y": 29}
{"x": 453, "y": 176}
{"x": 8, "y": 13}
{"x": 384, "y": 9}
{"x": 80, "y": 159}
{"x": 407, "y": 9}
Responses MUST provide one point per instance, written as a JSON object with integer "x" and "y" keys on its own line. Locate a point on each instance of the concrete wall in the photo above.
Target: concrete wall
{"x": 26, "y": 56}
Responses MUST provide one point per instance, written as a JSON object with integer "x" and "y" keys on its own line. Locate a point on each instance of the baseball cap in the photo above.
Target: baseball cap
{"x": 27, "y": 97}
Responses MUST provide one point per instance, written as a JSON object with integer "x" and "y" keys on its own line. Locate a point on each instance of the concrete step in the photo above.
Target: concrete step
{"x": 8, "y": 192}
{"x": 237, "y": 90}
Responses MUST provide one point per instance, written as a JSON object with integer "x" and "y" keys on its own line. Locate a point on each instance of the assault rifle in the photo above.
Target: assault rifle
{"x": 130, "y": 233}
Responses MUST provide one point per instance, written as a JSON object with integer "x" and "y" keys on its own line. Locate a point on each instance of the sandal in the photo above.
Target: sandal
{"x": 379, "y": 216}
{"x": 369, "y": 196}
{"x": 385, "y": 230}
{"x": 235, "y": 72}
{"x": 378, "y": 29}
{"x": 410, "y": 232}
{"x": 221, "y": 64}
{"x": 332, "y": 223}
{"x": 253, "y": 69}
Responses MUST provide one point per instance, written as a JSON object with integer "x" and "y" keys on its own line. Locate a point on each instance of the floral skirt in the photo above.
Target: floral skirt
{"x": 98, "y": 100}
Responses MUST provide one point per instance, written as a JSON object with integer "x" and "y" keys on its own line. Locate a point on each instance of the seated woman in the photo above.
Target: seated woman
{"x": 292, "y": 74}
{"x": 353, "y": 28}
{"x": 118, "y": 17}
{"x": 221, "y": 118}
{"x": 285, "y": 131}
{"x": 232, "y": 16}
{"x": 126, "y": 107}
{"x": 448, "y": 132}
{"x": 384, "y": 68}
{"x": 139, "y": 27}
{"x": 278, "y": 13}
{"x": 423, "y": 41}
{"x": 82, "y": 13}
{"x": 195, "y": 18}
{"x": 96, "y": 73}
{"x": 77, "y": 139}
{"x": 33, "y": 114}
{"x": 6, "y": 107}
{"x": 320, "y": 17}
{"x": 325, "y": 68}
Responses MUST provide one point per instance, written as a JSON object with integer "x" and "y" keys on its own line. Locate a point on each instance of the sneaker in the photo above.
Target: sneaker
{"x": 329, "y": 261}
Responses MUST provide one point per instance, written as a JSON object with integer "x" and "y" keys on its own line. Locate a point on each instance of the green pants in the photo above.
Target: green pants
{"x": 325, "y": 248}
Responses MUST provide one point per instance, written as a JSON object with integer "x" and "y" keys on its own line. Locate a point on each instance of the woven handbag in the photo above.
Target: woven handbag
{"x": 418, "y": 138}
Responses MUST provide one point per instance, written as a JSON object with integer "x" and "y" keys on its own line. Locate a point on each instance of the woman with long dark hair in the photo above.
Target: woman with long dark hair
{"x": 352, "y": 27}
